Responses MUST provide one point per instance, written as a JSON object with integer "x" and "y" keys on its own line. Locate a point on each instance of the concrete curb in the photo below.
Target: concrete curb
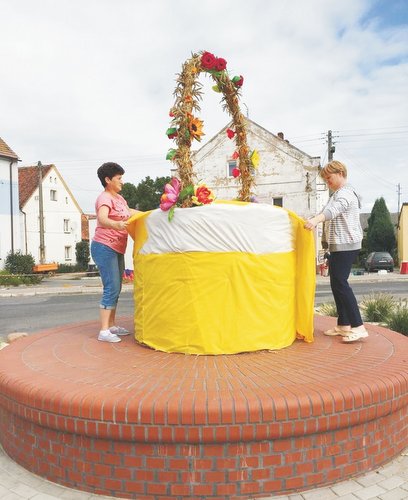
{"x": 27, "y": 291}
{"x": 68, "y": 290}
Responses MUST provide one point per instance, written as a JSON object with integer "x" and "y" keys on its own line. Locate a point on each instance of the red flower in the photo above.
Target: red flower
{"x": 236, "y": 172}
{"x": 238, "y": 81}
{"x": 220, "y": 64}
{"x": 202, "y": 195}
{"x": 230, "y": 133}
{"x": 235, "y": 155}
{"x": 208, "y": 60}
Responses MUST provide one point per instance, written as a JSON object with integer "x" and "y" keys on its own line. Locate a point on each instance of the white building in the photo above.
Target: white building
{"x": 9, "y": 213}
{"x": 61, "y": 215}
{"x": 286, "y": 176}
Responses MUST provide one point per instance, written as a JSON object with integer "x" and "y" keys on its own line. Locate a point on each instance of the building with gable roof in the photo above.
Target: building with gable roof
{"x": 9, "y": 212}
{"x": 62, "y": 216}
{"x": 286, "y": 176}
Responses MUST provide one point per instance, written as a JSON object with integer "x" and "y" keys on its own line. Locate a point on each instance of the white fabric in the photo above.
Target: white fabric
{"x": 254, "y": 228}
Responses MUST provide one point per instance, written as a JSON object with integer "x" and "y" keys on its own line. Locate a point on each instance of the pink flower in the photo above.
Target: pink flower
{"x": 170, "y": 195}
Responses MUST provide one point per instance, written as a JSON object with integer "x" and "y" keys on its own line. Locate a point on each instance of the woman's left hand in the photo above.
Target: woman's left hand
{"x": 310, "y": 224}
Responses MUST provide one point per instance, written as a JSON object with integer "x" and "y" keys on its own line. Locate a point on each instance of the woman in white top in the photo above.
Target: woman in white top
{"x": 344, "y": 236}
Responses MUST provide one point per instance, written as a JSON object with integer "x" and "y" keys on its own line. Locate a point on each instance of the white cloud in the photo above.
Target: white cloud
{"x": 89, "y": 81}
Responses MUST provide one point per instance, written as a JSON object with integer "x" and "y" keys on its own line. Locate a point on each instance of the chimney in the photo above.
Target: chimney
{"x": 281, "y": 136}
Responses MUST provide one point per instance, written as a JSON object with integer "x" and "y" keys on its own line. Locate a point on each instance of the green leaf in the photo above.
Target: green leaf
{"x": 171, "y": 154}
{"x": 187, "y": 191}
{"x": 171, "y": 213}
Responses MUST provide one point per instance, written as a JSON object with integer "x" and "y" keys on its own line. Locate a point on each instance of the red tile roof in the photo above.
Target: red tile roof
{"x": 28, "y": 181}
{"x": 7, "y": 151}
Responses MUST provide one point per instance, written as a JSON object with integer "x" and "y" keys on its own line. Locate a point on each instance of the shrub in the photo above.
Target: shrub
{"x": 377, "y": 307}
{"x": 328, "y": 309}
{"x": 18, "y": 263}
{"x": 68, "y": 268}
{"x": 18, "y": 279}
{"x": 82, "y": 255}
{"x": 398, "y": 319}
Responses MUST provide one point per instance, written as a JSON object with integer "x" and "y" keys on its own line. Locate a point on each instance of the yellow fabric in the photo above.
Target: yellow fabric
{"x": 305, "y": 282}
{"x": 137, "y": 229}
{"x": 215, "y": 303}
{"x": 223, "y": 303}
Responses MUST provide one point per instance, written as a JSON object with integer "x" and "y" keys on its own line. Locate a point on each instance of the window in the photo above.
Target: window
{"x": 66, "y": 226}
{"x": 231, "y": 165}
{"x": 278, "y": 202}
{"x": 53, "y": 195}
{"x": 68, "y": 253}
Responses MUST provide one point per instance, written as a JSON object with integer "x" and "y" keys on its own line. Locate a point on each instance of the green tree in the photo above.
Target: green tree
{"x": 82, "y": 254}
{"x": 129, "y": 193}
{"x": 146, "y": 195}
{"x": 380, "y": 230}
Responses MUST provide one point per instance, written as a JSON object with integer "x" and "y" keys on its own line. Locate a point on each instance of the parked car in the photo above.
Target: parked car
{"x": 379, "y": 260}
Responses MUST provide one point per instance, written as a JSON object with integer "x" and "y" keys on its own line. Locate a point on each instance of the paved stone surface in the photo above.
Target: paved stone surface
{"x": 332, "y": 392}
{"x": 389, "y": 482}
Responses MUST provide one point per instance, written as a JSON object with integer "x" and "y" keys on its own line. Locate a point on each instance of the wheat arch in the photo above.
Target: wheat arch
{"x": 185, "y": 127}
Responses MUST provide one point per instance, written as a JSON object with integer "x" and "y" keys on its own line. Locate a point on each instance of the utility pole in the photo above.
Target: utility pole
{"x": 41, "y": 211}
{"x": 399, "y": 196}
{"x": 331, "y": 148}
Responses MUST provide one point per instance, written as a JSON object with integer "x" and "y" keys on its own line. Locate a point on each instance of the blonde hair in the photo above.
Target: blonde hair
{"x": 334, "y": 167}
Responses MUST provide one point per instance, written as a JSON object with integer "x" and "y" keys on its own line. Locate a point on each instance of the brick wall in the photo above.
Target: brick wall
{"x": 145, "y": 462}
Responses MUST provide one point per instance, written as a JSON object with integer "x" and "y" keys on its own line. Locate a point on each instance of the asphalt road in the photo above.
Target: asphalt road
{"x": 399, "y": 289}
{"x": 39, "y": 312}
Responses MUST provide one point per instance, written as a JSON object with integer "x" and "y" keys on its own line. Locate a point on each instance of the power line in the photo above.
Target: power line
{"x": 375, "y": 133}
{"x": 370, "y": 173}
{"x": 367, "y": 129}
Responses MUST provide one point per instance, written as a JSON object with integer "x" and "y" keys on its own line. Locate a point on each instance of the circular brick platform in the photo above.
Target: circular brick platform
{"x": 127, "y": 421}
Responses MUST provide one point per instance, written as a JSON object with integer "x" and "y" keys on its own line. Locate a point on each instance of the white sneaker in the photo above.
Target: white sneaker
{"x": 118, "y": 330}
{"x": 108, "y": 336}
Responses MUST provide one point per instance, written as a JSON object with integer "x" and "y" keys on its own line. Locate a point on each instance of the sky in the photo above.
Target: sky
{"x": 83, "y": 82}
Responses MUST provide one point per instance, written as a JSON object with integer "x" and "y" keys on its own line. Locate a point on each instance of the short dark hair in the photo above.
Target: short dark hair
{"x": 109, "y": 170}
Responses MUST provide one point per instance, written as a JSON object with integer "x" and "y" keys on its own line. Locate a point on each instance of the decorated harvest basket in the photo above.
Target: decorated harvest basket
{"x": 218, "y": 277}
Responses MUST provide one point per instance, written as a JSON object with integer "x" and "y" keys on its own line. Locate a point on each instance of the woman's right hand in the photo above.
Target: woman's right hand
{"x": 120, "y": 225}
